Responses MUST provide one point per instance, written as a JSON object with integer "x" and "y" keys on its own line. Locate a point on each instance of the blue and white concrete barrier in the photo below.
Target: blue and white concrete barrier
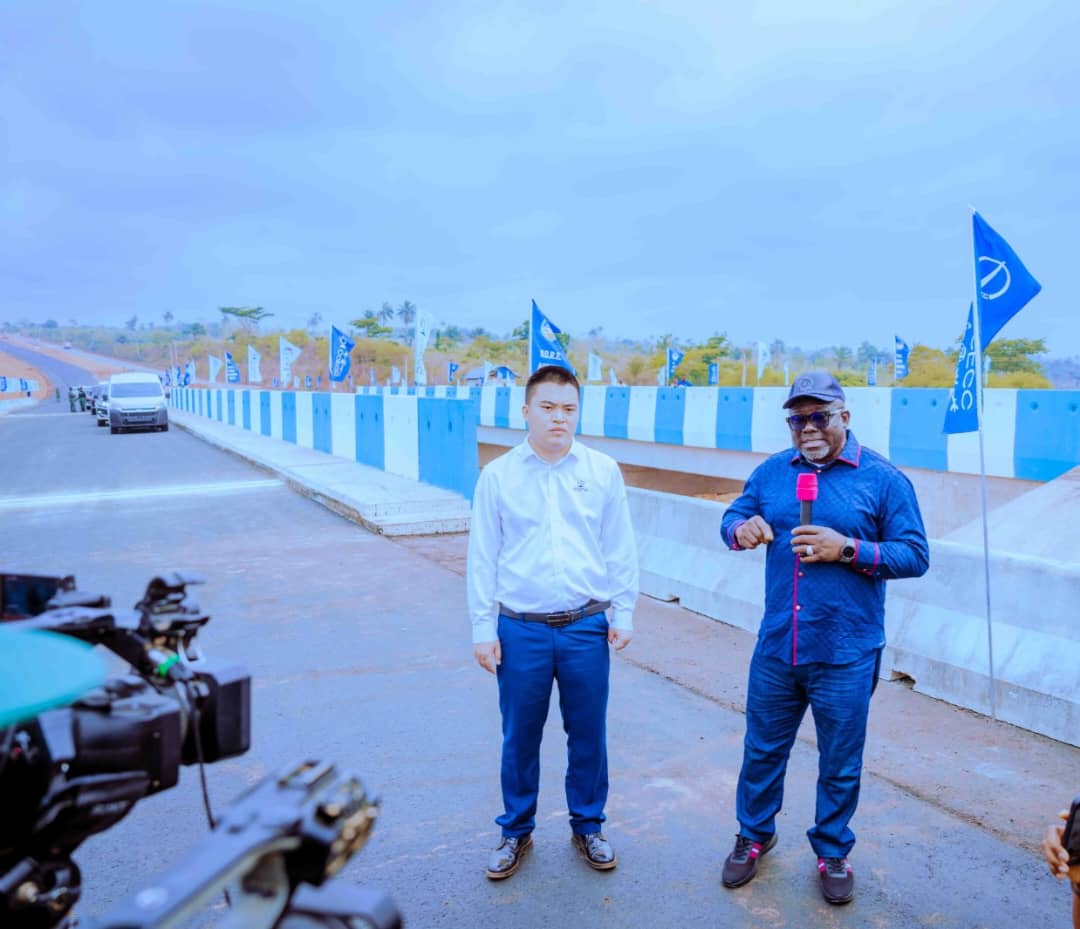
{"x": 1029, "y": 434}
{"x": 429, "y": 439}
{"x": 935, "y": 625}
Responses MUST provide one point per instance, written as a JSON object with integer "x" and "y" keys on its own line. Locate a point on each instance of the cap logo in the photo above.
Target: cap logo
{"x": 804, "y": 383}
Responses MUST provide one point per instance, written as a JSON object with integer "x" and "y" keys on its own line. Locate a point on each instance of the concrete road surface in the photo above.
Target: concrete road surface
{"x": 360, "y": 654}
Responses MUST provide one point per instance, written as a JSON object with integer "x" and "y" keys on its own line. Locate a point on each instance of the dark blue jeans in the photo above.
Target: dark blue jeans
{"x": 776, "y": 701}
{"x": 533, "y": 656}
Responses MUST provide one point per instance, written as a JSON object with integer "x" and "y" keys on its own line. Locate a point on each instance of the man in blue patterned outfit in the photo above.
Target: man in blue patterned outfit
{"x": 821, "y": 636}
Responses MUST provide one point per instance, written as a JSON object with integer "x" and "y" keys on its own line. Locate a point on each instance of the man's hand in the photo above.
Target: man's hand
{"x": 1057, "y": 859}
{"x": 619, "y": 638}
{"x": 816, "y": 543}
{"x": 488, "y": 654}
{"x": 753, "y": 532}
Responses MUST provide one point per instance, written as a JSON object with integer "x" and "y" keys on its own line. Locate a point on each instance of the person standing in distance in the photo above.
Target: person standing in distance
{"x": 821, "y": 637}
{"x": 551, "y": 554}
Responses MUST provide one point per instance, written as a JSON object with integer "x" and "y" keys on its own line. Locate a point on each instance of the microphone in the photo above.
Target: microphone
{"x": 806, "y": 493}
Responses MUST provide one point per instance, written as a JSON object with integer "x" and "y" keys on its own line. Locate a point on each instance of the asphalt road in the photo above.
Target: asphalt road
{"x": 359, "y": 651}
{"x": 63, "y": 374}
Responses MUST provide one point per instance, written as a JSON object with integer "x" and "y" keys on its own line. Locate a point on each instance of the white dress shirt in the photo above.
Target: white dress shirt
{"x": 550, "y": 537}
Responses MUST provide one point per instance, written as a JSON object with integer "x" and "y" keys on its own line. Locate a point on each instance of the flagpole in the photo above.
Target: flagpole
{"x": 976, "y": 315}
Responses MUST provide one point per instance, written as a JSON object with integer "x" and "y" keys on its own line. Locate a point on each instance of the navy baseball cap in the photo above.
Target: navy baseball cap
{"x": 815, "y": 385}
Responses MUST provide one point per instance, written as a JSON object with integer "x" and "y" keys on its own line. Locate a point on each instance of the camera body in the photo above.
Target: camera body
{"x": 76, "y": 771}
{"x": 71, "y": 772}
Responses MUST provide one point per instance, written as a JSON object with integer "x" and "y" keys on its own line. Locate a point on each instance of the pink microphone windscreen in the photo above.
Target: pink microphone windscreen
{"x": 806, "y": 486}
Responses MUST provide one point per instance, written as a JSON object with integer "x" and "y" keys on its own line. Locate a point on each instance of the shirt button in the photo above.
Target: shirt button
{"x": 798, "y": 606}
{"x": 802, "y": 574}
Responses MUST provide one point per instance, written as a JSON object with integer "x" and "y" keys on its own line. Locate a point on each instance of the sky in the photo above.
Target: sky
{"x": 783, "y": 170}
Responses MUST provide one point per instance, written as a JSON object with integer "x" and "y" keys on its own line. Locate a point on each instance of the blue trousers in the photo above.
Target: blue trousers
{"x": 533, "y": 656}
{"x": 776, "y": 701}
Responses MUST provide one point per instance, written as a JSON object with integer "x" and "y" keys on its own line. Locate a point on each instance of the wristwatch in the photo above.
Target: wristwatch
{"x": 847, "y": 553}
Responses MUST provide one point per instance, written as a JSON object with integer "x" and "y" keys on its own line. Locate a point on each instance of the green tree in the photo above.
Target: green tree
{"x": 247, "y": 316}
{"x": 406, "y": 312}
{"x": 929, "y": 367}
{"x": 717, "y": 346}
{"x": 167, "y": 316}
{"x": 867, "y": 353}
{"x": 1013, "y": 356}
{"x": 386, "y": 313}
{"x": 521, "y": 333}
{"x": 131, "y": 324}
{"x": 370, "y": 327}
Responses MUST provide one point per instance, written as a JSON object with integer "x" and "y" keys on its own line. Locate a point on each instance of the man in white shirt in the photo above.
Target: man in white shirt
{"x": 551, "y": 552}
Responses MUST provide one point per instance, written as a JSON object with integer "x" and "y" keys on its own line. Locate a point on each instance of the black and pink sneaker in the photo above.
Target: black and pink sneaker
{"x": 742, "y": 864}
{"x": 837, "y": 880}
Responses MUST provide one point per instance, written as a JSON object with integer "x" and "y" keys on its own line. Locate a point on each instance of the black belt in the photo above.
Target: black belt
{"x": 563, "y": 618}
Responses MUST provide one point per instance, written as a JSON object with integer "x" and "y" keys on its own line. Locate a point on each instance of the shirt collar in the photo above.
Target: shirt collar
{"x": 850, "y": 454}
{"x": 526, "y": 451}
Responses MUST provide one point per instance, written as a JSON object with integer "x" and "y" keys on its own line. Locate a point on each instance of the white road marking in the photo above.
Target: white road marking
{"x": 37, "y": 501}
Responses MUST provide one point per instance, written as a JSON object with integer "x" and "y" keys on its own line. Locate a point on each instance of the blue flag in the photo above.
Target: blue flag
{"x": 232, "y": 371}
{"x": 168, "y": 378}
{"x": 544, "y": 348}
{"x": 674, "y": 359}
{"x": 1004, "y": 285}
{"x": 714, "y": 374}
{"x": 340, "y": 359}
{"x": 307, "y": 381}
{"x": 3, "y": 384}
{"x": 900, "y": 356}
{"x": 451, "y": 370}
{"x": 962, "y": 413}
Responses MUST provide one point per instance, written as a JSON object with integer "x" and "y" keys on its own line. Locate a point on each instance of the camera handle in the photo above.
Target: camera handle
{"x": 300, "y": 826}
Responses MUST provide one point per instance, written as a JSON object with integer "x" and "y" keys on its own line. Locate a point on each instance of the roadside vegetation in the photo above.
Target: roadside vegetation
{"x": 384, "y": 342}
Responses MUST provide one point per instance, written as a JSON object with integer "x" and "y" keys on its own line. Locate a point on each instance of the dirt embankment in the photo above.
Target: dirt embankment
{"x": 13, "y": 368}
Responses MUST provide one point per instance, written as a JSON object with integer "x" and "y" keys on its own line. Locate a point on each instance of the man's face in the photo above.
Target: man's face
{"x": 552, "y": 417}
{"x": 820, "y": 444}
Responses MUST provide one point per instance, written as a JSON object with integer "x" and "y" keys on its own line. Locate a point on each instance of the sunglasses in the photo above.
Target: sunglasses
{"x": 819, "y": 419}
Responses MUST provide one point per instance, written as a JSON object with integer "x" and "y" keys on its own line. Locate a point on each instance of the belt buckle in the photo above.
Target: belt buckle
{"x": 558, "y": 620}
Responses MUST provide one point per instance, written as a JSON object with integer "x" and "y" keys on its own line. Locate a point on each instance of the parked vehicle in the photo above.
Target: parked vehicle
{"x": 137, "y": 401}
{"x": 101, "y": 404}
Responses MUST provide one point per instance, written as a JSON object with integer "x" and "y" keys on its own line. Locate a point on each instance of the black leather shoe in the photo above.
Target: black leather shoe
{"x": 837, "y": 880}
{"x": 506, "y": 858}
{"x": 596, "y": 850}
{"x": 742, "y": 864}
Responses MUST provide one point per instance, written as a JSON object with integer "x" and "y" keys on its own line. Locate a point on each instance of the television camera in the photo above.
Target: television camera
{"x": 69, "y": 772}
